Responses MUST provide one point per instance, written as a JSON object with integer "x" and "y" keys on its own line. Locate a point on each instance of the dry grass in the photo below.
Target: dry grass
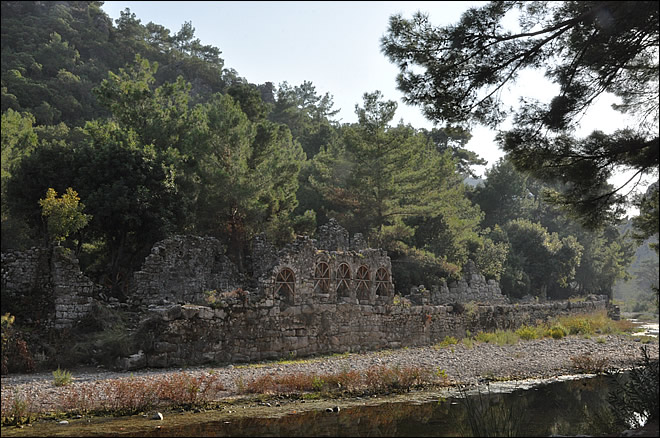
{"x": 134, "y": 395}
{"x": 375, "y": 379}
{"x": 17, "y": 409}
{"x": 585, "y": 363}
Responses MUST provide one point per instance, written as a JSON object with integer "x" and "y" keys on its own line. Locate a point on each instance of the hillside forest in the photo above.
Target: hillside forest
{"x": 118, "y": 134}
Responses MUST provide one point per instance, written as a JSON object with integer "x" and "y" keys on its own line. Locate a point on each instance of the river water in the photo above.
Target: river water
{"x": 569, "y": 407}
{"x": 566, "y": 406}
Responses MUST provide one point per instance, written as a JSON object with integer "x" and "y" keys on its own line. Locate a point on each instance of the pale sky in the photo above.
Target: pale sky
{"x": 336, "y": 46}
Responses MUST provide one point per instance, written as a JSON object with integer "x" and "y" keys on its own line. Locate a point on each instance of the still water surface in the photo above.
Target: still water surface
{"x": 563, "y": 407}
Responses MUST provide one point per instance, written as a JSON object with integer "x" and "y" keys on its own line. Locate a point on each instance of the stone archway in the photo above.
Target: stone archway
{"x": 363, "y": 283}
{"x": 343, "y": 280}
{"x": 382, "y": 282}
{"x": 285, "y": 285}
{"x": 321, "y": 277}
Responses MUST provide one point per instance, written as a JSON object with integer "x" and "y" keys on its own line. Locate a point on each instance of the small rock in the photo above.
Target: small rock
{"x": 63, "y": 422}
{"x": 157, "y": 416}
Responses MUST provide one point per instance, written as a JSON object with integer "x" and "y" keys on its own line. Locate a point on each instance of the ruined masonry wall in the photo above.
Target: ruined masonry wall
{"x": 25, "y": 271}
{"x": 72, "y": 290}
{"x": 56, "y": 273}
{"x": 195, "y": 335}
{"x": 269, "y": 321}
{"x": 301, "y": 259}
{"x": 181, "y": 269}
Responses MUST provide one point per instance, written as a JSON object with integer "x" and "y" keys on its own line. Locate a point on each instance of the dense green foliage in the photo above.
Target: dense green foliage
{"x": 456, "y": 73}
{"x": 548, "y": 252}
{"x": 157, "y": 137}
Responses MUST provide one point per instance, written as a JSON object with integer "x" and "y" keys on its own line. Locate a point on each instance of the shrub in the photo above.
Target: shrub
{"x": 578, "y": 326}
{"x": 587, "y": 364}
{"x": 134, "y": 395}
{"x": 376, "y": 379}
{"x": 61, "y": 377}
{"x": 484, "y": 337}
{"x": 394, "y": 379}
{"x": 558, "y": 331}
{"x": 471, "y": 308}
{"x": 506, "y": 337}
{"x": 16, "y": 356}
{"x": 499, "y": 337}
{"x": 527, "y": 333}
{"x": 17, "y": 409}
{"x": 348, "y": 380}
{"x": 593, "y": 323}
{"x": 448, "y": 340}
{"x": 183, "y": 389}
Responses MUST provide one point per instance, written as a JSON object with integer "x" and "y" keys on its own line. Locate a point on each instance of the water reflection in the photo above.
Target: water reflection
{"x": 561, "y": 408}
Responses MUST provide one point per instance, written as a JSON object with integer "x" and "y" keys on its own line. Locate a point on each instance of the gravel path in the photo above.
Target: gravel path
{"x": 544, "y": 358}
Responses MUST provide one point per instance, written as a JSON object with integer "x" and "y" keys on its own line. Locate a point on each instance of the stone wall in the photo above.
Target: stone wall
{"x": 181, "y": 269}
{"x": 332, "y": 237}
{"x": 25, "y": 271}
{"x": 52, "y": 277}
{"x": 314, "y": 296}
{"x": 472, "y": 287}
{"x": 73, "y": 292}
{"x": 319, "y": 276}
{"x": 239, "y": 330}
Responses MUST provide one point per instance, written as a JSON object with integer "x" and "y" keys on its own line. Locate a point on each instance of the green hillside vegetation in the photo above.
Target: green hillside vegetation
{"x": 156, "y": 135}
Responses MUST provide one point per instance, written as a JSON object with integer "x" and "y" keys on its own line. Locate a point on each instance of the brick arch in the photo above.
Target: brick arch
{"x": 285, "y": 285}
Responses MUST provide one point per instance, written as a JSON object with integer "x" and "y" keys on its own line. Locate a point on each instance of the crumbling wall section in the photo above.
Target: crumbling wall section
{"x": 181, "y": 269}
{"x": 25, "y": 271}
{"x": 73, "y": 291}
{"x": 332, "y": 237}
{"x": 472, "y": 287}
{"x": 48, "y": 284}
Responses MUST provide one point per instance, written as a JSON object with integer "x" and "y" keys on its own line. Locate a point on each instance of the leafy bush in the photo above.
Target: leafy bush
{"x": 527, "y": 333}
{"x": 15, "y": 353}
{"x": 448, "y": 340}
{"x": 61, "y": 377}
{"x": 580, "y": 327}
{"x": 558, "y": 331}
{"x": 593, "y": 323}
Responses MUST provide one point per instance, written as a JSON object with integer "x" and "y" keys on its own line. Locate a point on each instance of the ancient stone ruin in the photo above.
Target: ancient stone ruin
{"x": 331, "y": 294}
